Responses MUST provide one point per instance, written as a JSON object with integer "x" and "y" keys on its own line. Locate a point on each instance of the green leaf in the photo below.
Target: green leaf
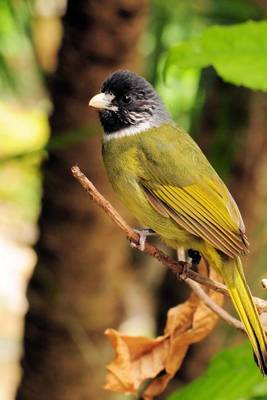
{"x": 231, "y": 375}
{"x": 237, "y": 52}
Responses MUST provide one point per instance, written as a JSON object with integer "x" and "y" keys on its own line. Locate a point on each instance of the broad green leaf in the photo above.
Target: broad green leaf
{"x": 237, "y": 52}
{"x": 231, "y": 375}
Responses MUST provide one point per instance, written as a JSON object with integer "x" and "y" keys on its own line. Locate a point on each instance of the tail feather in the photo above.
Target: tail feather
{"x": 234, "y": 278}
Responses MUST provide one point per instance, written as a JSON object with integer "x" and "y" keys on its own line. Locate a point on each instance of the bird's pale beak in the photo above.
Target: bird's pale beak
{"x": 102, "y": 101}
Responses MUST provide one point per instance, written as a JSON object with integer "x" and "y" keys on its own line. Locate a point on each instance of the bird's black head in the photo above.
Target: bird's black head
{"x": 128, "y": 100}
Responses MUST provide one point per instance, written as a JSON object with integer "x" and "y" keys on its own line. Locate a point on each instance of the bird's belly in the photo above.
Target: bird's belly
{"x": 134, "y": 199}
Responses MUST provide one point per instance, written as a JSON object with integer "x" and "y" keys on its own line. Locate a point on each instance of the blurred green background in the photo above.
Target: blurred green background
{"x": 53, "y": 57}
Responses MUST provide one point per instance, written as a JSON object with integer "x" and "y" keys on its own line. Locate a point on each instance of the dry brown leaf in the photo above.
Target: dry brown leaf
{"x": 138, "y": 358}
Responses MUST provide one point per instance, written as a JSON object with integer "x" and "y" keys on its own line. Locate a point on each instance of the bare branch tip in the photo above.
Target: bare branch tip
{"x": 75, "y": 169}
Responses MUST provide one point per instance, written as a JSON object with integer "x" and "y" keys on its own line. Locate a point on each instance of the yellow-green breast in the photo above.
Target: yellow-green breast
{"x": 125, "y": 165}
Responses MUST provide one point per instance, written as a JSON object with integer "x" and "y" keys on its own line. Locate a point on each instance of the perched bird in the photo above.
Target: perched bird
{"x": 167, "y": 183}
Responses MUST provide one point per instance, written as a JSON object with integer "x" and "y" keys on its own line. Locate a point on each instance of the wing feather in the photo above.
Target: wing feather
{"x": 194, "y": 197}
{"x": 191, "y": 208}
{"x": 196, "y": 209}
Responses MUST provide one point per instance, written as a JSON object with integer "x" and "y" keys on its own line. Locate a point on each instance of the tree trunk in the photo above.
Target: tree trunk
{"x": 77, "y": 288}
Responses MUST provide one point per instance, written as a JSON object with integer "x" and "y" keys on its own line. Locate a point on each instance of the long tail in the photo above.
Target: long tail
{"x": 232, "y": 273}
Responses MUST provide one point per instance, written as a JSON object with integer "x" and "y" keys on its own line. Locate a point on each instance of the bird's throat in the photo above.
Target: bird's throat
{"x": 130, "y": 130}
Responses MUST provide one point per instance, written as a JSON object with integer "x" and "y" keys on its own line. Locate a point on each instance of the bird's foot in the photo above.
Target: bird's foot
{"x": 185, "y": 262}
{"x": 187, "y": 259}
{"x": 143, "y": 234}
{"x": 183, "y": 275}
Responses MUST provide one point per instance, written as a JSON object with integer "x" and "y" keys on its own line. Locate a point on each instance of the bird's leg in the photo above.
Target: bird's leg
{"x": 184, "y": 261}
{"x": 143, "y": 234}
{"x": 181, "y": 257}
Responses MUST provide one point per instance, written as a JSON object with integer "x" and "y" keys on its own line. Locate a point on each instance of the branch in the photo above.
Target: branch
{"x": 213, "y": 306}
{"x": 175, "y": 266}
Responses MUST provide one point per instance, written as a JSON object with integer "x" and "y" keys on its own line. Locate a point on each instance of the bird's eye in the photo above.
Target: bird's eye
{"x": 126, "y": 99}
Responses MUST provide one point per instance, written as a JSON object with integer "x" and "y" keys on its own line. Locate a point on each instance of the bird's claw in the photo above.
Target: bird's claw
{"x": 143, "y": 234}
{"x": 186, "y": 259}
{"x": 186, "y": 266}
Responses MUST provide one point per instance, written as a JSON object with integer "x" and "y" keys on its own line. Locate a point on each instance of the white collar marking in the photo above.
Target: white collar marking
{"x": 129, "y": 131}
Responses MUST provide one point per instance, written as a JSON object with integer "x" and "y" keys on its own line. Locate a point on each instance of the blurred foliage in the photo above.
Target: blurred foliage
{"x": 18, "y": 64}
{"x": 21, "y": 131}
{"x": 231, "y": 375}
{"x": 231, "y": 12}
{"x": 23, "y": 119}
{"x": 175, "y": 22}
{"x": 24, "y": 138}
{"x": 237, "y": 52}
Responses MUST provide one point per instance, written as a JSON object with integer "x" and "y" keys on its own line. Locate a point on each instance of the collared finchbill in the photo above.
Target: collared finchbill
{"x": 102, "y": 101}
{"x": 167, "y": 183}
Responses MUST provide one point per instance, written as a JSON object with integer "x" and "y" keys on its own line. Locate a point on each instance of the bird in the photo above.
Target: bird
{"x": 166, "y": 182}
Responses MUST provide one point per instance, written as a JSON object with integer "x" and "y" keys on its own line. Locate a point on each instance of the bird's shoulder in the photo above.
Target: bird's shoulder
{"x": 173, "y": 156}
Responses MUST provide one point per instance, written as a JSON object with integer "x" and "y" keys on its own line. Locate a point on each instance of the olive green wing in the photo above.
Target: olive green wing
{"x": 204, "y": 206}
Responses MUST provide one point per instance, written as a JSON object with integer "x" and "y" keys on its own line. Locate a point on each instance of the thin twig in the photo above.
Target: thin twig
{"x": 132, "y": 236}
{"x": 206, "y": 299}
{"x": 214, "y": 306}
